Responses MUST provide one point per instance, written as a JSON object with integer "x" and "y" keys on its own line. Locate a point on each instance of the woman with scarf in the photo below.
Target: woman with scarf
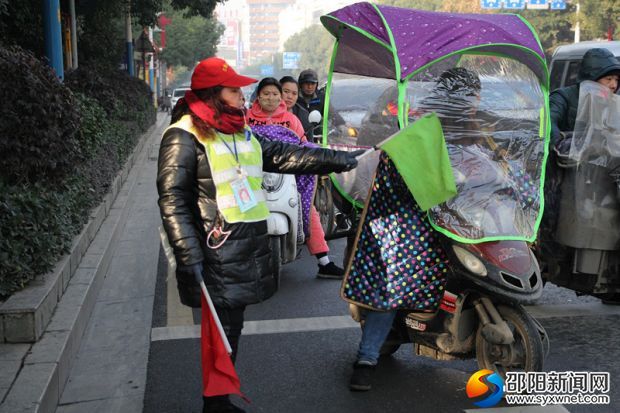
{"x": 208, "y": 159}
{"x": 270, "y": 109}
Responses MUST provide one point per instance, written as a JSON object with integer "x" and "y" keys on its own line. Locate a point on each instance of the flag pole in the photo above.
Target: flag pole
{"x": 203, "y": 287}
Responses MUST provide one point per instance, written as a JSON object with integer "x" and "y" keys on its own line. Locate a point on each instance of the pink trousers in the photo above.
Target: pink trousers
{"x": 316, "y": 242}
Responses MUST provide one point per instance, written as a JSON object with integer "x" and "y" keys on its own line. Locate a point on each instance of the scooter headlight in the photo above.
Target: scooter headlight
{"x": 272, "y": 182}
{"x": 470, "y": 261}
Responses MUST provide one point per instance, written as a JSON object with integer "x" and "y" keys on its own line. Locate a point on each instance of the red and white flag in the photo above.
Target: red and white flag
{"x": 218, "y": 372}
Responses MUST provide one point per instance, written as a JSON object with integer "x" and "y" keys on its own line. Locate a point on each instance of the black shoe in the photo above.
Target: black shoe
{"x": 361, "y": 377}
{"x": 219, "y": 404}
{"x": 330, "y": 270}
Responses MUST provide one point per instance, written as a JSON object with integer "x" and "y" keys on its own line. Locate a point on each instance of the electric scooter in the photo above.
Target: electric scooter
{"x": 582, "y": 250}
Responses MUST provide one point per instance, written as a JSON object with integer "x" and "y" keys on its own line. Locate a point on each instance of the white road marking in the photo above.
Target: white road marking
{"x": 298, "y": 325}
{"x": 290, "y": 325}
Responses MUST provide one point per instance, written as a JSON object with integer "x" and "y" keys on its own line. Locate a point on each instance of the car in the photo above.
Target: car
{"x": 177, "y": 94}
{"x": 566, "y": 59}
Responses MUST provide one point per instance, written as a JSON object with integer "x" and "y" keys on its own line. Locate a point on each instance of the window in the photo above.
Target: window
{"x": 571, "y": 74}
{"x": 556, "y": 74}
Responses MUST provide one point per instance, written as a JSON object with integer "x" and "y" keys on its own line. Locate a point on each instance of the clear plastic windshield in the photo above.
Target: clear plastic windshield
{"x": 596, "y": 138}
{"x": 493, "y": 131}
{"x": 589, "y": 208}
{"x": 491, "y": 119}
{"x": 362, "y": 112}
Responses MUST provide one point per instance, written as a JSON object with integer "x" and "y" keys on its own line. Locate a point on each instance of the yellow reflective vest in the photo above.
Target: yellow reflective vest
{"x": 225, "y": 169}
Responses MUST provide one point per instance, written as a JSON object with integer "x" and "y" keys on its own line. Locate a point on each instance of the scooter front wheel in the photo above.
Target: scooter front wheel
{"x": 524, "y": 354}
{"x": 276, "y": 258}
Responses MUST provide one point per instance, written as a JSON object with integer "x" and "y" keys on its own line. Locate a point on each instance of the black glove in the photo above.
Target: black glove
{"x": 188, "y": 284}
{"x": 194, "y": 269}
{"x": 351, "y": 162}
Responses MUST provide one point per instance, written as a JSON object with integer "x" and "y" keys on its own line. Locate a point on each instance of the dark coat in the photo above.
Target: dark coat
{"x": 302, "y": 114}
{"x": 318, "y": 103}
{"x": 240, "y": 272}
{"x": 563, "y": 102}
{"x": 315, "y": 103}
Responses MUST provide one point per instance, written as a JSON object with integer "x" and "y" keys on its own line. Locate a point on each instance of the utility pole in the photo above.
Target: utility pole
{"x": 129, "y": 41}
{"x": 53, "y": 42}
{"x": 151, "y": 63}
{"x": 74, "y": 52}
{"x": 577, "y": 28}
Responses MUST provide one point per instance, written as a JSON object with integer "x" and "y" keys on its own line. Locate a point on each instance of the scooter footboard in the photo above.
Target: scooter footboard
{"x": 449, "y": 333}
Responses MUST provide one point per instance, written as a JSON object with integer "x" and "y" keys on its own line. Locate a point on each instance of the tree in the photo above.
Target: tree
{"x": 431, "y": 5}
{"x": 315, "y": 45}
{"x": 596, "y": 17}
{"x": 101, "y": 35}
{"x": 553, "y": 27}
{"x": 190, "y": 39}
{"x": 461, "y": 6}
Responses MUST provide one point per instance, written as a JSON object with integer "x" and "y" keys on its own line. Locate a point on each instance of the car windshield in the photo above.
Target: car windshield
{"x": 180, "y": 92}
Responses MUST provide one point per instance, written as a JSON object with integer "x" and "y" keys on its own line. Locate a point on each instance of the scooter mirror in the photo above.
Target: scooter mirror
{"x": 315, "y": 116}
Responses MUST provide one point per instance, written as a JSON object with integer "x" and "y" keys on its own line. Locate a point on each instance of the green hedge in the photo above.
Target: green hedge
{"x": 39, "y": 120}
{"x": 64, "y": 145}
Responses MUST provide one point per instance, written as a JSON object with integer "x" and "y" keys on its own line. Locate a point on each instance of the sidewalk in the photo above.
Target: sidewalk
{"x": 105, "y": 369}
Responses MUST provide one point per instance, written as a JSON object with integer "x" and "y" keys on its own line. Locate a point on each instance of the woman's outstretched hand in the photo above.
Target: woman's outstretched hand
{"x": 351, "y": 162}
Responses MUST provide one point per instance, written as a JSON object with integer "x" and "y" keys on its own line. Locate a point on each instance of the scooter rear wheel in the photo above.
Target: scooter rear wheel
{"x": 524, "y": 354}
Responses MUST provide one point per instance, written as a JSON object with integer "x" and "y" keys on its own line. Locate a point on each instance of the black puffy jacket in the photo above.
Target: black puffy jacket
{"x": 563, "y": 102}
{"x": 240, "y": 272}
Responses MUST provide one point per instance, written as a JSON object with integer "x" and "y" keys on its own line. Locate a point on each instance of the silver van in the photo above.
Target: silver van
{"x": 177, "y": 94}
{"x": 566, "y": 60}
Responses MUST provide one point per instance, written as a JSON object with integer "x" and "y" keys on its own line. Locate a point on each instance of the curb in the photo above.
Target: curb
{"x": 25, "y": 315}
{"x": 59, "y": 313}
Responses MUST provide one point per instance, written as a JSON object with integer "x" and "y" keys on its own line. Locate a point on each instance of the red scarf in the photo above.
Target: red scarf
{"x": 230, "y": 121}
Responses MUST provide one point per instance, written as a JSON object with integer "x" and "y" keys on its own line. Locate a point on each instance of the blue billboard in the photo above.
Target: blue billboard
{"x": 290, "y": 60}
{"x": 491, "y": 4}
{"x": 514, "y": 4}
{"x": 538, "y": 4}
{"x": 558, "y": 4}
{"x": 266, "y": 70}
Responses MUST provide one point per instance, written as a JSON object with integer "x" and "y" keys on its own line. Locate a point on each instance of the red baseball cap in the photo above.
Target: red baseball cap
{"x": 214, "y": 71}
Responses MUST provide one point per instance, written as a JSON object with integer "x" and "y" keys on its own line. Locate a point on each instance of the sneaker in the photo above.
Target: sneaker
{"x": 330, "y": 270}
{"x": 361, "y": 377}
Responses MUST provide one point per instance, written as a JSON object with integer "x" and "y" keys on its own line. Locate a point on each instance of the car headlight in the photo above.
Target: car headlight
{"x": 470, "y": 261}
{"x": 272, "y": 182}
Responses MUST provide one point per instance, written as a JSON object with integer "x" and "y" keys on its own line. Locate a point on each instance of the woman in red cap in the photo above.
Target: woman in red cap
{"x": 207, "y": 159}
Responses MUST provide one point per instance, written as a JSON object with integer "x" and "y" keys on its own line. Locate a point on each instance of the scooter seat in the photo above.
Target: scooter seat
{"x": 421, "y": 316}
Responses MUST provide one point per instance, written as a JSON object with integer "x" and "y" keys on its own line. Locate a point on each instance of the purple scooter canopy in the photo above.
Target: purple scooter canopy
{"x": 406, "y": 40}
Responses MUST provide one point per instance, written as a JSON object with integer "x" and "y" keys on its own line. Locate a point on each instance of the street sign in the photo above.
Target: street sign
{"x": 266, "y": 70}
{"x": 514, "y": 4}
{"x": 558, "y": 4}
{"x": 290, "y": 60}
{"x": 491, "y": 4}
{"x": 538, "y": 4}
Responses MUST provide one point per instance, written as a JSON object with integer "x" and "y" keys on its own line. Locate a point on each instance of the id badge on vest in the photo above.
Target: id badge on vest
{"x": 243, "y": 194}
